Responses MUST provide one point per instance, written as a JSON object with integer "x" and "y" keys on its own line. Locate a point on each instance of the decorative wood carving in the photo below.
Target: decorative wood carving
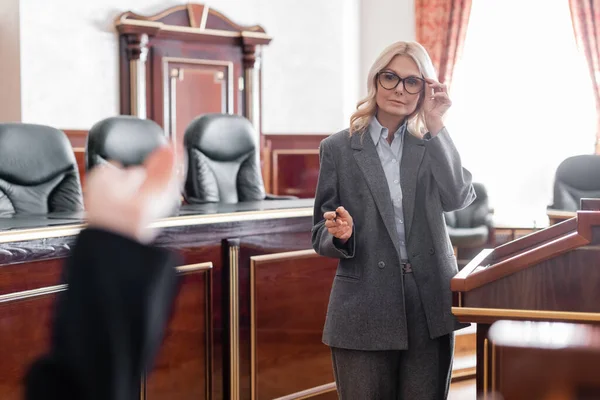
{"x": 217, "y": 58}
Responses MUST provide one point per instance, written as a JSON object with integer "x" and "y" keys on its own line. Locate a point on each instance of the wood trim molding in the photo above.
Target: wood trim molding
{"x": 201, "y": 22}
{"x": 27, "y": 294}
{"x": 72, "y": 230}
{"x": 234, "y": 321}
{"x": 312, "y": 392}
{"x": 488, "y": 315}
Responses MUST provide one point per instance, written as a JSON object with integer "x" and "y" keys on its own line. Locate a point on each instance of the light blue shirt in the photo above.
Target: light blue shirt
{"x": 390, "y": 157}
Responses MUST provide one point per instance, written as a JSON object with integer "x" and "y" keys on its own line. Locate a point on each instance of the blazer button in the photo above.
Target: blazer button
{"x": 381, "y": 264}
{"x": 431, "y": 251}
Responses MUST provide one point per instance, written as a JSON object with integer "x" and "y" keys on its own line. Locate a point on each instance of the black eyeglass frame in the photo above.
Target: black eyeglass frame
{"x": 400, "y": 80}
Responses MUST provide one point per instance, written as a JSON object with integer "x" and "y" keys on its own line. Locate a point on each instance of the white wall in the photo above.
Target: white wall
{"x": 10, "y": 81}
{"x": 313, "y": 71}
{"x": 69, "y": 60}
{"x": 69, "y": 57}
{"x": 383, "y": 22}
{"x": 311, "y": 66}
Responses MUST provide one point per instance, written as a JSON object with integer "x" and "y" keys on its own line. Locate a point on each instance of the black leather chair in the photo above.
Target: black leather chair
{"x": 223, "y": 161}
{"x": 472, "y": 227}
{"x": 38, "y": 171}
{"x": 576, "y": 177}
{"x": 125, "y": 139}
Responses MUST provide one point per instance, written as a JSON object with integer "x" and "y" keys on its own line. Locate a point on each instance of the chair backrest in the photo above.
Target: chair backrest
{"x": 125, "y": 139}
{"x": 475, "y": 214}
{"x": 223, "y": 160}
{"x": 576, "y": 177}
{"x": 38, "y": 171}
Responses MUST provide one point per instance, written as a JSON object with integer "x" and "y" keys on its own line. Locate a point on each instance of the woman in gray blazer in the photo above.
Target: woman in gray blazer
{"x": 383, "y": 186}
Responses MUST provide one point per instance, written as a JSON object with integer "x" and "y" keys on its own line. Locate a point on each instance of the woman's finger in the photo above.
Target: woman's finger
{"x": 334, "y": 231}
{"x": 341, "y": 231}
{"x": 329, "y": 215}
{"x": 441, "y": 95}
{"x": 343, "y": 213}
{"x": 436, "y": 85}
{"x": 330, "y": 223}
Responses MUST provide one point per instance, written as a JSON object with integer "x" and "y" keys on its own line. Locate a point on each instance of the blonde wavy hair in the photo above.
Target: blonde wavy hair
{"x": 367, "y": 107}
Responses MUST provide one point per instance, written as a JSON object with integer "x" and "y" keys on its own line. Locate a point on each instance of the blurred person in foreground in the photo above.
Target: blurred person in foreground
{"x": 109, "y": 323}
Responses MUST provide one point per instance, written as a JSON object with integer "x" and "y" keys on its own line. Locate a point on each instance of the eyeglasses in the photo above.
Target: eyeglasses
{"x": 389, "y": 81}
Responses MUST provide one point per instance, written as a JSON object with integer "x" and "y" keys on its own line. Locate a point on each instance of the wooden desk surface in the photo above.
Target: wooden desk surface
{"x": 243, "y": 325}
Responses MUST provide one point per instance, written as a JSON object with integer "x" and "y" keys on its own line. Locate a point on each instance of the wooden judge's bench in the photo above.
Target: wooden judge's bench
{"x": 550, "y": 275}
{"x": 248, "y": 317}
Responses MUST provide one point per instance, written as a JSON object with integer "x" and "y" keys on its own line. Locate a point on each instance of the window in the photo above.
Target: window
{"x": 522, "y": 103}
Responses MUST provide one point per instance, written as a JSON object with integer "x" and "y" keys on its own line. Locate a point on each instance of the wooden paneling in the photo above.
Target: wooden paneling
{"x": 287, "y": 354}
{"x": 248, "y": 247}
{"x": 295, "y": 172}
{"x": 183, "y": 369}
{"x": 77, "y": 137}
{"x": 30, "y": 276}
{"x": 293, "y": 141}
{"x": 24, "y": 335}
{"x": 80, "y": 157}
{"x": 294, "y": 163}
{"x": 546, "y": 361}
{"x": 565, "y": 283}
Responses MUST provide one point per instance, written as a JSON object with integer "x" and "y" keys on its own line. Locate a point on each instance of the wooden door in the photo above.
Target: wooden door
{"x": 196, "y": 87}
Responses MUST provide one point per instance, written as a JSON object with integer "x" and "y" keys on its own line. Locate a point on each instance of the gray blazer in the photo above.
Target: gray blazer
{"x": 366, "y": 305}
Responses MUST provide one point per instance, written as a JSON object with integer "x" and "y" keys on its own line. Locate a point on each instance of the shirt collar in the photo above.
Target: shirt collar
{"x": 377, "y": 131}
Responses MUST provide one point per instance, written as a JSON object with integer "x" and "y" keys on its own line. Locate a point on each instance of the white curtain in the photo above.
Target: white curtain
{"x": 522, "y": 103}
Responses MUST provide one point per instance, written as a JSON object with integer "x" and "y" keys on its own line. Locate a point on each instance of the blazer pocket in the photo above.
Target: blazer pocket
{"x": 347, "y": 278}
{"x": 347, "y": 270}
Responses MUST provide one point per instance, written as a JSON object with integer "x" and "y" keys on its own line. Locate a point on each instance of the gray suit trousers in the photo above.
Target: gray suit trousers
{"x": 422, "y": 372}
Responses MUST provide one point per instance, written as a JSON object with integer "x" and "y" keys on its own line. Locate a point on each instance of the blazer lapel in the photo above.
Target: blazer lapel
{"x": 412, "y": 155}
{"x": 368, "y": 161}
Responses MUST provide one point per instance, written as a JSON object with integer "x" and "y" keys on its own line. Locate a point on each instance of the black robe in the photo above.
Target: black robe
{"x": 109, "y": 323}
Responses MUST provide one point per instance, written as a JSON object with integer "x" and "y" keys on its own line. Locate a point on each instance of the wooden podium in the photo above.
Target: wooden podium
{"x": 550, "y": 275}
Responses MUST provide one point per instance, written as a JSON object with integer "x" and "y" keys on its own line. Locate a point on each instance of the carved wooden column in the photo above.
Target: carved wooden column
{"x": 252, "y": 106}
{"x": 251, "y": 65}
{"x": 137, "y": 54}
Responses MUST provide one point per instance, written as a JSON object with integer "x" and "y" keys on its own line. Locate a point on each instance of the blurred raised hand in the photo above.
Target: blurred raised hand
{"x": 127, "y": 200}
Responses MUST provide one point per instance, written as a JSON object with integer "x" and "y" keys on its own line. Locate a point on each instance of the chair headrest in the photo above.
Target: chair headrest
{"x": 31, "y": 154}
{"x": 126, "y": 139}
{"x": 580, "y": 172}
{"x": 208, "y": 132}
